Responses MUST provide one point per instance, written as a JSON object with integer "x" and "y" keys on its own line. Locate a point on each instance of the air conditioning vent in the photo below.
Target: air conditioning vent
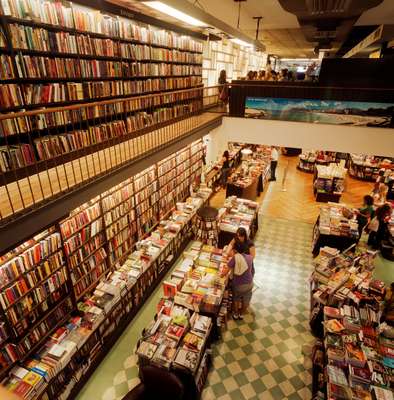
{"x": 319, "y": 35}
{"x": 319, "y": 7}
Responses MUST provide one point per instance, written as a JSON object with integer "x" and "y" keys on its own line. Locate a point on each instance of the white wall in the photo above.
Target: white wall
{"x": 347, "y": 139}
{"x": 216, "y": 144}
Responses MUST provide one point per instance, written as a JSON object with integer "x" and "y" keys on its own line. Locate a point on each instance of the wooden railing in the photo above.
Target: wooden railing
{"x": 47, "y": 153}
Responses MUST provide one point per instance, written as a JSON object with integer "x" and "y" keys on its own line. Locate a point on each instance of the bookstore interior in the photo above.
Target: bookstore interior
{"x": 187, "y": 279}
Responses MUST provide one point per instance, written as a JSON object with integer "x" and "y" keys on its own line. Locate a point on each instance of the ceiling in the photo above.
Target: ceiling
{"x": 279, "y": 30}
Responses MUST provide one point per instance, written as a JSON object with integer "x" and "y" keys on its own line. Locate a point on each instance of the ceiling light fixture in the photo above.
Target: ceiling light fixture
{"x": 241, "y": 42}
{"x": 173, "y": 12}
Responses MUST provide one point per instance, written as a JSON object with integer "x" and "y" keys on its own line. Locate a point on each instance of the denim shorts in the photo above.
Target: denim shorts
{"x": 243, "y": 292}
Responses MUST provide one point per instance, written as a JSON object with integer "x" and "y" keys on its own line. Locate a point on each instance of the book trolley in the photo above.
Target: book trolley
{"x": 353, "y": 357}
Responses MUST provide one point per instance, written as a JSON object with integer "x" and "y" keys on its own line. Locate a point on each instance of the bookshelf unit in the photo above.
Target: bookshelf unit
{"x": 67, "y": 261}
{"x": 60, "y": 54}
{"x": 34, "y": 295}
{"x": 85, "y": 245}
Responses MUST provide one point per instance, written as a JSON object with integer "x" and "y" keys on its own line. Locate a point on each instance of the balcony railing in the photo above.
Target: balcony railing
{"x": 50, "y": 152}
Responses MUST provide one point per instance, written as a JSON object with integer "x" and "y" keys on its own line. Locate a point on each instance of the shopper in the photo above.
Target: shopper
{"x": 250, "y": 75}
{"x": 241, "y": 238}
{"x": 223, "y": 87}
{"x": 261, "y": 76}
{"x": 379, "y": 198}
{"x": 388, "y": 311}
{"x": 378, "y": 226}
{"x": 225, "y": 168}
{"x": 365, "y": 213}
{"x": 274, "y": 162}
{"x": 241, "y": 265}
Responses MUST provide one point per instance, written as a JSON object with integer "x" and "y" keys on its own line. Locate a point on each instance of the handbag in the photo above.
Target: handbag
{"x": 241, "y": 265}
{"x": 223, "y": 94}
{"x": 373, "y": 225}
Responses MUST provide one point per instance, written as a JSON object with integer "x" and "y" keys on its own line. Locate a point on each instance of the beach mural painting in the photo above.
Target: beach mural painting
{"x": 321, "y": 111}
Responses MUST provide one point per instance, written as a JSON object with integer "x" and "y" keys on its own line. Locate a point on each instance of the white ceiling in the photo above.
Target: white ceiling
{"x": 280, "y": 30}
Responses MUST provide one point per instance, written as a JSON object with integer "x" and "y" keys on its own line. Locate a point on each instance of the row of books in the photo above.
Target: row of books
{"x": 90, "y": 20}
{"x": 17, "y": 125}
{"x": 74, "y": 91}
{"x": 39, "y": 39}
{"x": 73, "y": 68}
{"x": 47, "y": 147}
{"x": 26, "y": 296}
{"x": 359, "y": 355}
{"x": 6, "y": 67}
{"x": 13, "y": 268}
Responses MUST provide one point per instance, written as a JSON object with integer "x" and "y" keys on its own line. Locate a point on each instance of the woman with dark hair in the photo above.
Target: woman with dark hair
{"x": 250, "y": 76}
{"x": 223, "y": 88}
{"x": 225, "y": 167}
{"x": 241, "y": 265}
{"x": 379, "y": 227}
{"x": 241, "y": 238}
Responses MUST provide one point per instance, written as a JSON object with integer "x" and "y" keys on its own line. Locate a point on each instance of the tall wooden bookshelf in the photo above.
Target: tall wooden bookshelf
{"x": 55, "y": 54}
{"x": 42, "y": 280}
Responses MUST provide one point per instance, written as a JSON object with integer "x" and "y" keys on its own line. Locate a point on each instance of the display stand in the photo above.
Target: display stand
{"x": 320, "y": 240}
{"x": 328, "y": 185}
{"x": 207, "y": 225}
{"x": 367, "y": 168}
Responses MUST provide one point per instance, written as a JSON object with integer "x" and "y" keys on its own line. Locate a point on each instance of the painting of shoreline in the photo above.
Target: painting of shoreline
{"x": 321, "y": 111}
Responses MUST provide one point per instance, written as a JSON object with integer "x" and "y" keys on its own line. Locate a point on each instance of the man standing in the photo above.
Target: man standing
{"x": 274, "y": 162}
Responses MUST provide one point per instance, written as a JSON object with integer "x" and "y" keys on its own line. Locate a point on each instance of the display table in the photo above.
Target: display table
{"x": 333, "y": 229}
{"x": 250, "y": 192}
{"x": 328, "y": 183}
{"x": 367, "y": 168}
{"x": 354, "y": 351}
{"x": 195, "y": 301}
{"x": 237, "y": 213}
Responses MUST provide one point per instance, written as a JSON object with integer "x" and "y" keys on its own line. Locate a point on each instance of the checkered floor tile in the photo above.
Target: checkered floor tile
{"x": 260, "y": 357}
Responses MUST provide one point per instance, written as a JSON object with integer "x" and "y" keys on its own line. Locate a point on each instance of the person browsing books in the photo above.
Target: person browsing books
{"x": 365, "y": 213}
{"x": 274, "y": 162}
{"x": 241, "y": 237}
{"x": 225, "y": 167}
{"x": 242, "y": 269}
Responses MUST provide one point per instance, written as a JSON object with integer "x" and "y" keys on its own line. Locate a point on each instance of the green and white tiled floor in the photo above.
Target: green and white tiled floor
{"x": 260, "y": 357}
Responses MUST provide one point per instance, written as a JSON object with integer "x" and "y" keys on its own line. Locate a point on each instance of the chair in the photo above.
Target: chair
{"x": 157, "y": 383}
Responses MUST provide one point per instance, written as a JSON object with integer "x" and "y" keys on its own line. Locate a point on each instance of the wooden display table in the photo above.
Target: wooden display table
{"x": 249, "y": 192}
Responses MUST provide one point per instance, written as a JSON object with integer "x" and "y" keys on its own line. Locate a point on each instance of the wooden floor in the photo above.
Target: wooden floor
{"x": 297, "y": 202}
{"x": 19, "y": 195}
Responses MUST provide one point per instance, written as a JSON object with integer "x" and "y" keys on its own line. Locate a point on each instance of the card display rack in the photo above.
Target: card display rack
{"x": 61, "y": 53}
{"x": 42, "y": 280}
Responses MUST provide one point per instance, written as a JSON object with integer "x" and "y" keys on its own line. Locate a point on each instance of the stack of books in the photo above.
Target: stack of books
{"x": 339, "y": 220}
{"x": 237, "y": 213}
{"x": 359, "y": 357}
{"x": 176, "y": 338}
